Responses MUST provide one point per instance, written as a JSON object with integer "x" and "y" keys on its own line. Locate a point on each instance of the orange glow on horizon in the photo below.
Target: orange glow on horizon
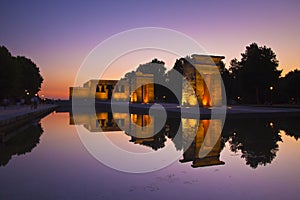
{"x": 57, "y": 81}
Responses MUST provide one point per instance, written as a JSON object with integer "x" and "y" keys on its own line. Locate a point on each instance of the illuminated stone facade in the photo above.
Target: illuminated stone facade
{"x": 135, "y": 89}
{"x": 100, "y": 89}
{"x": 206, "y": 87}
{"x": 144, "y": 92}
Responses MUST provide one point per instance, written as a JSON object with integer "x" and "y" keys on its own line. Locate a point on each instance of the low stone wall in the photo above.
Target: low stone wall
{"x": 12, "y": 122}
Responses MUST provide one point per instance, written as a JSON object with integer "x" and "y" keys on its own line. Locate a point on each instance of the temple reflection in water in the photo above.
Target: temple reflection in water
{"x": 257, "y": 146}
{"x": 211, "y": 143}
{"x": 135, "y": 124}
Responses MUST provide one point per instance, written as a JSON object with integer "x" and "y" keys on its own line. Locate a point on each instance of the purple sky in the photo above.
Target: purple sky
{"x": 57, "y": 36}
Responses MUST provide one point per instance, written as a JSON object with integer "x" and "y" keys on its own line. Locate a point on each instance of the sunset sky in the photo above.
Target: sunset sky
{"x": 58, "y": 36}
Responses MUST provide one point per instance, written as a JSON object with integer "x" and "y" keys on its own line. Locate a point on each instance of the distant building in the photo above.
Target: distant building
{"x": 125, "y": 89}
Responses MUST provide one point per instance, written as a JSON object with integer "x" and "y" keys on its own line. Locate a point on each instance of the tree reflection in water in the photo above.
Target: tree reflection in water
{"x": 290, "y": 126}
{"x": 256, "y": 138}
{"x": 24, "y": 141}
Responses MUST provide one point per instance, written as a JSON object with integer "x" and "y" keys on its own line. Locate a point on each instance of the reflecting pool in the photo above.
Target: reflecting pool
{"x": 252, "y": 158}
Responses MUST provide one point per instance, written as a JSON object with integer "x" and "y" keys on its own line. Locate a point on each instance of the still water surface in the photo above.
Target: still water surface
{"x": 260, "y": 156}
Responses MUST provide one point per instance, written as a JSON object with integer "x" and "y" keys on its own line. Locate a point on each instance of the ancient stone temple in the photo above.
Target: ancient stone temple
{"x": 135, "y": 89}
{"x": 144, "y": 93}
{"x": 99, "y": 89}
{"x": 203, "y": 85}
{"x": 203, "y": 75}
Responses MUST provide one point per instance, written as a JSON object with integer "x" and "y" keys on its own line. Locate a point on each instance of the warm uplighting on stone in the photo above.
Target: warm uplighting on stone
{"x": 207, "y": 90}
{"x": 206, "y": 101}
{"x": 133, "y": 97}
{"x": 199, "y": 89}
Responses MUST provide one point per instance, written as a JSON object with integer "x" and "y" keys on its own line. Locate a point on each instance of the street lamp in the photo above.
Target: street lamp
{"x": 271, "y": 89}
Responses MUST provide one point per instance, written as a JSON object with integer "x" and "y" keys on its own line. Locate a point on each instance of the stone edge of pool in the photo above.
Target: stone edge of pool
{"x": 11, "y": 119}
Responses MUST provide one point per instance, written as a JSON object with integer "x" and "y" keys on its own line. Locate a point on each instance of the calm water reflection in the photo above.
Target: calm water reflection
{"x": 25, "y": 140}
{"x": 260, "y": 157}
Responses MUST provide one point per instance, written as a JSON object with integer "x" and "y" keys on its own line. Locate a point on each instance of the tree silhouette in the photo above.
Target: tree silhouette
{"x": 29, "y": 75}
{"x": 7, "y": 69}
{"x": 227, "y": 80}
{"x": 154, "y": 67}
{"x": 18, "y": 74}
{"x": 23, "y": 142}
{"x": 290, "y": 126}
{"x": 256, "y": 72}
{"x": 290, "y": 86}
{"x": 258, "y": 145}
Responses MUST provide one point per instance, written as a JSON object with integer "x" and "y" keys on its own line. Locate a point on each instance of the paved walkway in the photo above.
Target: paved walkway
{"x": 15, "y": 111}
{"x": 260, "y": 109}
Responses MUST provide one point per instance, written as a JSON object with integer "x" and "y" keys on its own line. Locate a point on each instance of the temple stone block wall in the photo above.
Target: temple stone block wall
{"x": 202, "y": 85}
